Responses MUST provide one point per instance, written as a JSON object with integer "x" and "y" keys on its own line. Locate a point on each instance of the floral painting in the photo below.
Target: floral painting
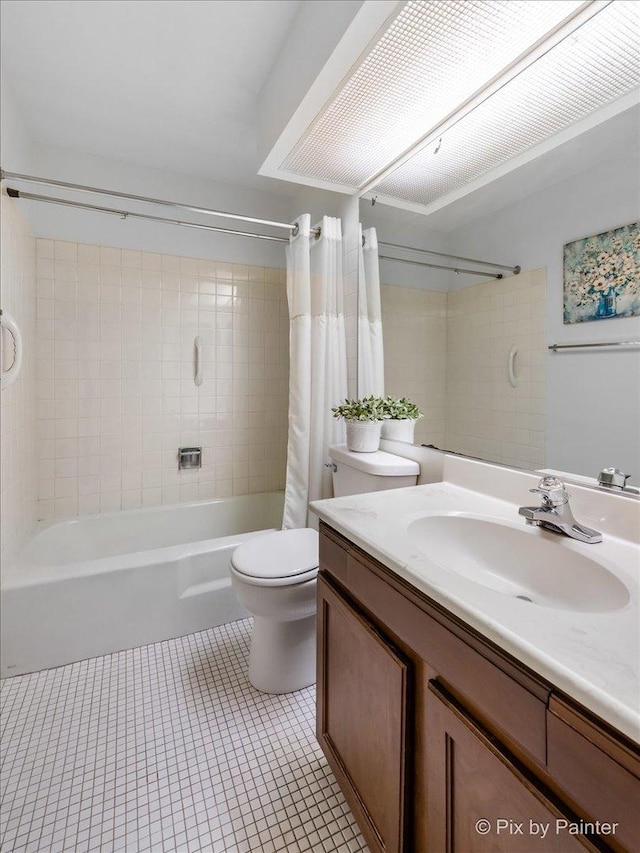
{"x": 602, "y": 276}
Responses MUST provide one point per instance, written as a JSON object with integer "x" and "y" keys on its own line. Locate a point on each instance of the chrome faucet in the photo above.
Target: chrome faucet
{"x": 555, "y": 514}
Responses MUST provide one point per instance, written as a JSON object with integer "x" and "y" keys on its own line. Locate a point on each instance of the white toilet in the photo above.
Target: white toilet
{"x": 274, "y": 576}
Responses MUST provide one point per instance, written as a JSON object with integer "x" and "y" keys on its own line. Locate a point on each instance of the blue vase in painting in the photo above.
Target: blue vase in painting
{"x": 601, "y": 309}
{"x": 610, "y": 302}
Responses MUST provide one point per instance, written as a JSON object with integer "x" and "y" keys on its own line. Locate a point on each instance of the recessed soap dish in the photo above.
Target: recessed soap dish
{"x": 189, "y": 457}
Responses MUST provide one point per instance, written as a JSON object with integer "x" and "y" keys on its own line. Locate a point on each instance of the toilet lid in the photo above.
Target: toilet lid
{"x": 283, "y": 554}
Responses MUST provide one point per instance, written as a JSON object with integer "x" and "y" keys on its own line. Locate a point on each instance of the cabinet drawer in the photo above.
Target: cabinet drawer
{"x": 333, "y": 556}
{"x": 501, "y": 701}
{"x": 599, "y": 774}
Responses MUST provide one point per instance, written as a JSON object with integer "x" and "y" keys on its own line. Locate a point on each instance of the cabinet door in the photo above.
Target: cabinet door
{"x": 362, "y": 718}
{"x": 477, "y": 799}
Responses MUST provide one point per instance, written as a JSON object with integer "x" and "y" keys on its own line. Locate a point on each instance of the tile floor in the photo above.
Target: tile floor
{"x": 165, "y": 748}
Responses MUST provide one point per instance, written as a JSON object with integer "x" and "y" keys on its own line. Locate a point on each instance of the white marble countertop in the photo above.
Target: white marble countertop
{"x": 591, "y": 656}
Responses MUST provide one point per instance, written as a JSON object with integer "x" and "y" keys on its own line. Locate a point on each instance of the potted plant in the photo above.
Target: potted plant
{"x": 400, "y": 418}
{"x": 363, "y": 419}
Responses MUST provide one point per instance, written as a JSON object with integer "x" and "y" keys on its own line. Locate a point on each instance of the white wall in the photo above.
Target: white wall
{"x": 16, "y": 148}
{"x": 406, "y": 228}
{"x": 593, "y": 397}
{"x": 20, "y": 153}
{"x": 316, "y": 30}
{"x": 62, "y": 223}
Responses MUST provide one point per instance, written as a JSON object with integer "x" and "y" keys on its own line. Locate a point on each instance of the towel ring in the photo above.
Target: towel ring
{"x": 9, "y": 376}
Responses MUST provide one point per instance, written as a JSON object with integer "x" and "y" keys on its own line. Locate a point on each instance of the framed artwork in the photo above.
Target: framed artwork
{"x": 602, "y": 276}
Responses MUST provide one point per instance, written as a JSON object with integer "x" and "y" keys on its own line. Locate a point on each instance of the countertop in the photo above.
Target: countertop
{"x": 592, "y": 657}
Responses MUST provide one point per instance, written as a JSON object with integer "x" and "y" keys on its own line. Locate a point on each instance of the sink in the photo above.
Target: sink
{"x": 523, "y": 564}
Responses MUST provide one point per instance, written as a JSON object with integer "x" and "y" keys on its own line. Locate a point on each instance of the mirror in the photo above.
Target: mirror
{"x": 473, "y": 351}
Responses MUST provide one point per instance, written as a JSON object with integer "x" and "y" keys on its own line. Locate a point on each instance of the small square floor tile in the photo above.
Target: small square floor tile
{"x": 166, "y": 748}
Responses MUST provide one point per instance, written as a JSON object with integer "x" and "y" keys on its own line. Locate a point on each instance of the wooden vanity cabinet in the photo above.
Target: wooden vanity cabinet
{"x": 364, "y": 685}
{"x": 430, "y": 728}
{"x": 478, "y": 797}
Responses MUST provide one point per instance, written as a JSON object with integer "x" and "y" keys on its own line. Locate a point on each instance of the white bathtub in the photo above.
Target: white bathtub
{"x": 109, "y": 582}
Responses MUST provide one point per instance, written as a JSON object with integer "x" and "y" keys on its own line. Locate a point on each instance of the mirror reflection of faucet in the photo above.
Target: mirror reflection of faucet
{"x": 613, "y": 478}
{"x": 554, "y": 512}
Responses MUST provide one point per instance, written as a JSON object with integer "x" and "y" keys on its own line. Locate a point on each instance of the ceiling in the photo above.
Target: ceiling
{"x": 170, "y": 85}
{"x": 175, "y": 84}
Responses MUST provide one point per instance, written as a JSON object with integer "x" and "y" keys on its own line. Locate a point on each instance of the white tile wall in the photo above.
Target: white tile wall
{"x": 449, "y": 352}
{"x": 485, "y": 415}
{"x": 116, "y": 396}
{"x": 414, "y": 354}
{"x": 18, "y": 462}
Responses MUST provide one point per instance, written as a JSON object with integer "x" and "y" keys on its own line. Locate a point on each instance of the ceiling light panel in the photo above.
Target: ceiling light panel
{"x": 434, "y": 56}
{"x": 596, "y": 65}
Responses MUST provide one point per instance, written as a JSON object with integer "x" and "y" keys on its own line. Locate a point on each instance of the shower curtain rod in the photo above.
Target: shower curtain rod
{"x": 443, "y": 267}
{"x": 126, "y": 214}
{"x": 514, "y": 269}
{"x": 16, "y": 176}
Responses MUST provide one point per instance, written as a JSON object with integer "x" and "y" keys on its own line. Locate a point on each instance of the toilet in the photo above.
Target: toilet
{"x": 274, "y": 576}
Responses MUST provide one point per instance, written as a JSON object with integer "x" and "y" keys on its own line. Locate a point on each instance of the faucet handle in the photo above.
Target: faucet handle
{"x": 553, "y": 491}
{"x": 613, "y": 478}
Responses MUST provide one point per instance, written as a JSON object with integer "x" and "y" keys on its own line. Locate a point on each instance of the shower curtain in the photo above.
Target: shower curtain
{"x": 318, "y": 363}
{"x": 370, "y": 348}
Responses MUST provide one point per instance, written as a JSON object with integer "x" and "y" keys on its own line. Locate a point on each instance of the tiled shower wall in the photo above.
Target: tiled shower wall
{"x": 485, "y": 415}
{"x": 116, "y": 396}
{"x": 456, "y": 368}
{"x": 18, "y": 465}
{"x": 415, "y": 324}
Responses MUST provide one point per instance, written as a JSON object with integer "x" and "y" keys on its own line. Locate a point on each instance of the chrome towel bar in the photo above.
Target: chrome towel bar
{"x": 556, "y": 347}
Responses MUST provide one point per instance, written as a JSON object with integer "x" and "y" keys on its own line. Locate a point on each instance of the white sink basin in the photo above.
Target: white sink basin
{"x": 518, "y": 562}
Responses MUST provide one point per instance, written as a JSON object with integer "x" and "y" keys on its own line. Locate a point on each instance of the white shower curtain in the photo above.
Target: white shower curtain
{"x": 370, "y": 348}
{"x": 318, "y": 363}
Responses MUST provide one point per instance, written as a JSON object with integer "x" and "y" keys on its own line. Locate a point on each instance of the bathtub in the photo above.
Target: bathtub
{"x": 105, "y": 583}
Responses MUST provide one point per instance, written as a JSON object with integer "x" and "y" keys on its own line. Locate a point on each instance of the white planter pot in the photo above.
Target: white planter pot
{"x": 363, "y": 436}
{"x": 399, "y": 430}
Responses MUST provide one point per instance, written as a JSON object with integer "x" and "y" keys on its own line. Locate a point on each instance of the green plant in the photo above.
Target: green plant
{"x": 366, "y": 409}
{"x": 400, "y": 410}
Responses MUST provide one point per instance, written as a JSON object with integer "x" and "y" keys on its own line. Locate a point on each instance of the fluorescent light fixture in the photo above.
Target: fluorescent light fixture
{"x": 587, "y": 70}
{"x": 455, "y": 89}
{"x": 435, "y": 55}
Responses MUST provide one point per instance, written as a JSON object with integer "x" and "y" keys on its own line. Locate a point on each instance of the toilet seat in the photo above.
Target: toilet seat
{"x": 281, "y": 558}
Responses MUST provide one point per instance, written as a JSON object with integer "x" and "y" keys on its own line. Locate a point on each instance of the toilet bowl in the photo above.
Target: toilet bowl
{"x": 274, "y": 577}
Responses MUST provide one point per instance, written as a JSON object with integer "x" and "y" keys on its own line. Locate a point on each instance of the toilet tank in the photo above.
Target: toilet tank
{"x": 357, "y": 473}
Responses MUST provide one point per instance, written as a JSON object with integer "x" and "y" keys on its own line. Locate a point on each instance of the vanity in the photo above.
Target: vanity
{"x": 478, "y": 678}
